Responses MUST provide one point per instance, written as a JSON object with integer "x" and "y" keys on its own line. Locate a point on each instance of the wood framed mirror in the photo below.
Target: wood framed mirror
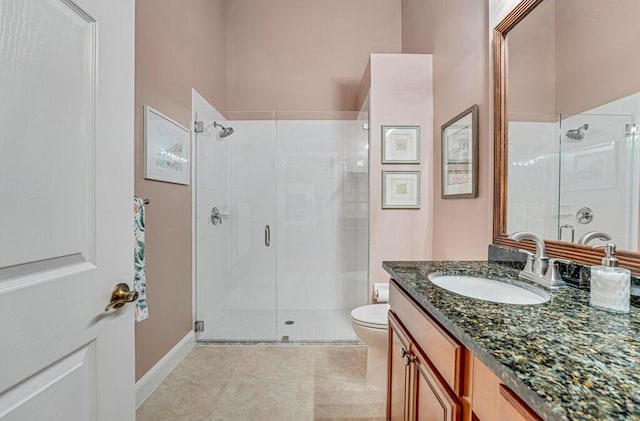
{"x": 562, "y": 78}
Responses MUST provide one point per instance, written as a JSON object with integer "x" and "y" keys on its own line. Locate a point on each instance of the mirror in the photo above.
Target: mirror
{"x": 460, "y": 155}
{"x": 567, "y": 133}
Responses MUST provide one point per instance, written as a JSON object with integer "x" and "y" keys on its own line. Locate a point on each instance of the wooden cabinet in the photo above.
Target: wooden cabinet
{"x": 399, "y": 372}
{"x": 511, "y": 408}
{"x": 432, "y": 398}
{"x": 492, "y": 400}
{"x": 431, "y": 376}
{"x": 443, "y": 351}
{"x": 416, "y": 391}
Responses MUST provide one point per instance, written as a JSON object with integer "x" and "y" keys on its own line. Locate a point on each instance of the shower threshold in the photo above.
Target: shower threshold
{"x": 271, "y": 326}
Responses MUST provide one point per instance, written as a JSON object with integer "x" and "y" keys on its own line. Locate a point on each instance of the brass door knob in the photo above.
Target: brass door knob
{"x": 120, "y": 296}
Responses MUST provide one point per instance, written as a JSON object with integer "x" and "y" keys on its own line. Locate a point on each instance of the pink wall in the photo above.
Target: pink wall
{"x": 562, "y": 60}
{"x": 532, "y": 66}
{"x": 462, "y": 228}
{"x": 400, "y": 94}
{"x": 417, "y": 26}
{"x": 597, "y": 53}
{"x": 177, "y": 48}
{"x": 305, "y": 55}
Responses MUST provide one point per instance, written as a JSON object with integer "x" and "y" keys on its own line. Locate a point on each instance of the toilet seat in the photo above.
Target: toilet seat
{"x": 373, "y": 316}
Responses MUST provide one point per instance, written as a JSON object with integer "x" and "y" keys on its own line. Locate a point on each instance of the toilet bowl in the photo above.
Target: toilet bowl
{"x": 370, "y": 324}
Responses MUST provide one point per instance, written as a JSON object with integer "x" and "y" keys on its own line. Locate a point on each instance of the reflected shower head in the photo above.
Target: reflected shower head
{"x": 226, "y": 131}
{"x": 577, "y": 134}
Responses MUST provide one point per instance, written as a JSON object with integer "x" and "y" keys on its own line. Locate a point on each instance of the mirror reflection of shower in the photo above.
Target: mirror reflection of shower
{"x": 577, "y": 134}
{"x": 224, "y": 131}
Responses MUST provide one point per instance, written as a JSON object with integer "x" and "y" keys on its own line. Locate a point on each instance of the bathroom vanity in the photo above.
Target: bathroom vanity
{"x": 453, "y": 357}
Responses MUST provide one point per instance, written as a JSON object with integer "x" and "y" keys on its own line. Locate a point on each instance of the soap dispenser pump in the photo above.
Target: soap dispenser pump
{"x": 610, "y": 285}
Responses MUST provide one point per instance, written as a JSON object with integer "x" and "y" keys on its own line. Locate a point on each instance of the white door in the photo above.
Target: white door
{"x": 66, "y": 186}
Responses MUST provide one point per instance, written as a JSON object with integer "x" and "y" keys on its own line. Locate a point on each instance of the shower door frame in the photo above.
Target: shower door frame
{"x": 194, "y": 177}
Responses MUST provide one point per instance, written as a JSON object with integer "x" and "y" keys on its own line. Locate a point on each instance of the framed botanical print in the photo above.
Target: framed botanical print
{"x": 400, "y": 189}
{"x": 400, "y": 144}
{"x": 460, "y": 155}
{"x": 166, "y": 148}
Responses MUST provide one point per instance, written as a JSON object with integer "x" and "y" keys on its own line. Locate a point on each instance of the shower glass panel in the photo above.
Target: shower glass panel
{"x": 235, "y": 268}
{"x": 290, "y": 259}
{"x": 573, "y": 174}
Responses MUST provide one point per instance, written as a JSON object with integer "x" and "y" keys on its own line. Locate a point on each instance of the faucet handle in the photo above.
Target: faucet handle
{"x": 553, "y": 274}
{"x": 528, "y": 267}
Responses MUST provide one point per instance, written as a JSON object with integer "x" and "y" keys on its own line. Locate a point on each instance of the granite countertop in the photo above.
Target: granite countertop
{"x": 564, "y": 358}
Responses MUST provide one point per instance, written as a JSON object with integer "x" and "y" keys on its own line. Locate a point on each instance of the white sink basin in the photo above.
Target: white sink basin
{"x": 490, "y": 289}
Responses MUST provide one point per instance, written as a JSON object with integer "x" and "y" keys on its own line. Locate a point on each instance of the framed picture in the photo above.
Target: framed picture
{"x": 166, "y": 148}
{"x": 400, "y": 144}
{"x": 400, "y": 189}
{"x": 460, "y": 155}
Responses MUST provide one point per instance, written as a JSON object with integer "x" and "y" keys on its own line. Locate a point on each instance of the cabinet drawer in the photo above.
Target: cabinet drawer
{"x": 444, "y": 352}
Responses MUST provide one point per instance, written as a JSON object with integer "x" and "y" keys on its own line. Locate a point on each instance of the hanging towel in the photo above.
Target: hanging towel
{"x": 139, "y": 276}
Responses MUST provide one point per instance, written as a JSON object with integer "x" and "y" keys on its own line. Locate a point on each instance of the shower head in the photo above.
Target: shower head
{"x": 226, "y": 131}
{"x": 577, "y": 134}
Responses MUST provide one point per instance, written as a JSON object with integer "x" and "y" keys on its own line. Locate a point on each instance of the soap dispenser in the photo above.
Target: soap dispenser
{"x": 610, "y": 285}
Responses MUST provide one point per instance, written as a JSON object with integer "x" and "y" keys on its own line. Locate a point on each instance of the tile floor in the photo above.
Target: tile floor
{"x": 267, "y": 383}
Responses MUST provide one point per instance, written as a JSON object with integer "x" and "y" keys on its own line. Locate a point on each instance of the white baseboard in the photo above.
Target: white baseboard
{"x": 152, "y": 379}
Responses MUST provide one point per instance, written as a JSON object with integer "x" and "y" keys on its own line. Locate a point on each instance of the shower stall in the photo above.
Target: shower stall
{"x": 281, "y": 226}
{"x": 576, "y": 177}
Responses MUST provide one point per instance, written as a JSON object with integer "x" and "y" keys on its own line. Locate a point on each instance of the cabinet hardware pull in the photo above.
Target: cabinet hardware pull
{"x": 406, "y": 357}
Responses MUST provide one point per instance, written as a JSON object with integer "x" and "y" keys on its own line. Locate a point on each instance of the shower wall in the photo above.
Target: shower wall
{"x": 307, "y": 181}
{"x": 551, "y": 177}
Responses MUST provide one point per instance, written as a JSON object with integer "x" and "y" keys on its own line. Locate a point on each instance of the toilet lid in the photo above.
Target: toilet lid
{"x": 373, "y": 314}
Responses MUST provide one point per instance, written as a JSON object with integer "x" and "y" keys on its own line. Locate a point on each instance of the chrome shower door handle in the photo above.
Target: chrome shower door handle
{"x": 267, "y": 235}
{"x": 215, "y": 216}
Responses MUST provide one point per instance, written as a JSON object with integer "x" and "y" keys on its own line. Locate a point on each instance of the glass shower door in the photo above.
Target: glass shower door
{"x": 251, "y": 289}
{"x": 322, "y": 226}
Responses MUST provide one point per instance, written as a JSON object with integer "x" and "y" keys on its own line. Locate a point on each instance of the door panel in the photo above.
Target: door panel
{"x": 399, "y": 373}
{"x": 511, "y": 408}
{"x": 71, "y": 377}
{"x": 66, "y": 188}
{"x": 45, "y": 182}
{"x": 432, "y": 398}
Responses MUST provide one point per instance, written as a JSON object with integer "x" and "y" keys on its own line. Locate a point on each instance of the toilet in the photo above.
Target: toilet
{"x": 370, "y": 324}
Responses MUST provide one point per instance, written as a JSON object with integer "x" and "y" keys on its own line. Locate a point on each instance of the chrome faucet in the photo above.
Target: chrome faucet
{"x": 539, "y": 268}
{"x": 536, "y": 263}
{"x": 587, "y": 237}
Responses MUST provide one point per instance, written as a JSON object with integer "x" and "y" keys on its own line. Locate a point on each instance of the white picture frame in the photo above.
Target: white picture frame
{"x": 167, "y": 148}
{"x": 400, "y": 144}
{"x": 400, "y": 189}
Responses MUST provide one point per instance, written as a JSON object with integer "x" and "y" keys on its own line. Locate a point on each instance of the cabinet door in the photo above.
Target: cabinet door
{"x": 432, "y": 399}
{"x": 511, "y": 408}
{"x": 398, "y": 372}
